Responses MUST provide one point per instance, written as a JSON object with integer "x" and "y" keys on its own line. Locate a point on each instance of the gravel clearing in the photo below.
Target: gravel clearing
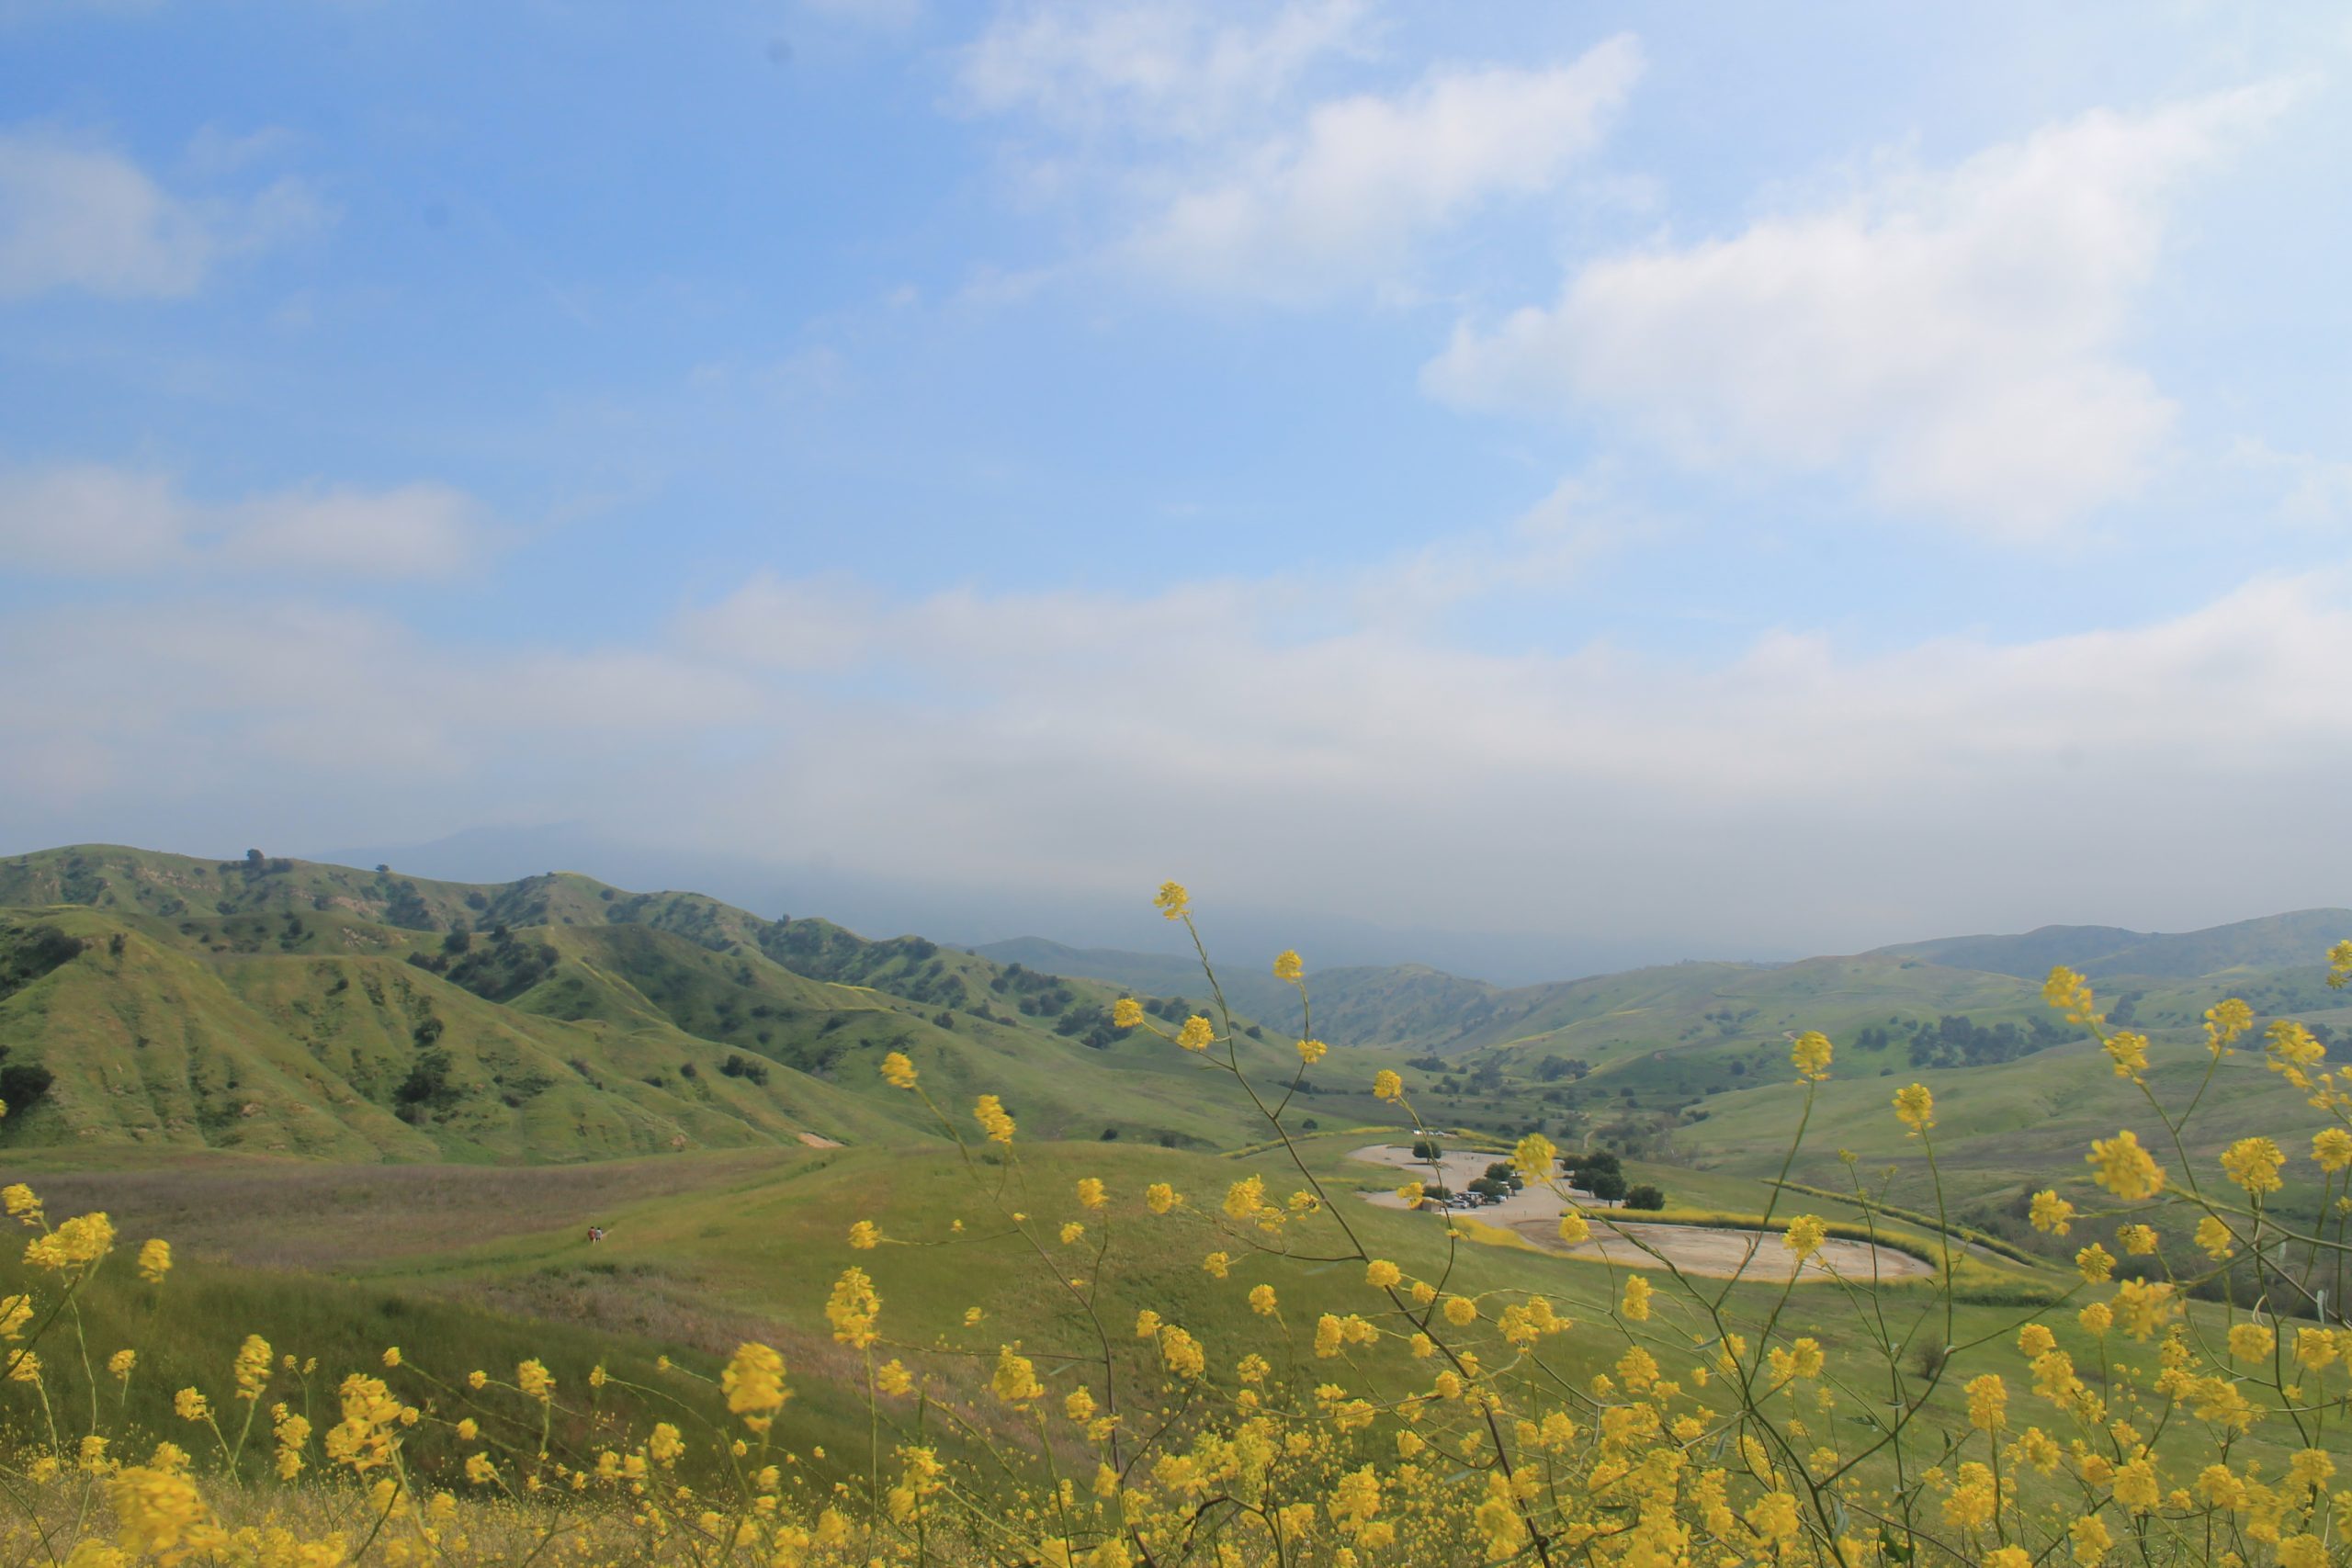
{"x": 1717, "y": 1251}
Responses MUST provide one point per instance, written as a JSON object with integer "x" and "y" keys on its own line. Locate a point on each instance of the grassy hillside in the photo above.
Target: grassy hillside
{"x": 359, "y": 1056}
{"x": 331, "y": 1013}
{"x": 340, "y": 1013}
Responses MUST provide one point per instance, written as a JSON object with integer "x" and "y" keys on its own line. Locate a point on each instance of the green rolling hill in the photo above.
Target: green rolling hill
{"x": 288, "y": 1008}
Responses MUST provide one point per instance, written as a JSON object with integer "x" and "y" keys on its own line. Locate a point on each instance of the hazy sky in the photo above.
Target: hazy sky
{"x": 1725, "y": 479}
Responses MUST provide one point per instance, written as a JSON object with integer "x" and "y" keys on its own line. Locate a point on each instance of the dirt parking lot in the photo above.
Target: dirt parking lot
{"x": 1715, "y": 1251}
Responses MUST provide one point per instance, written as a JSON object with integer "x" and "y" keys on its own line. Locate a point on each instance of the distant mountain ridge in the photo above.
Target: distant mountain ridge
{"x": 1701, "y": 1008}
{"x": 2271, "y": 941}
{"x": 1395, "y": 1004}
{"x": 2291, "y": 941}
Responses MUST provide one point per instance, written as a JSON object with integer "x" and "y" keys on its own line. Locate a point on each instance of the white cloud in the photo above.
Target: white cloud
{"x": 76, "y": 215}
{"x": 1958, "y": 337}
{"x": 1284, "y": 742}
{"x": 1155, "y": 69}
{"x": 1208, "y": 142}
{"x": 2313, "y": 489}
{"x": 276, "y": 700}
{"x": 1091, "y": 743}
{"x": 95, "y": 520}
{"x": 1340, "y": 203}
{"x": 418, "y": 530}
{"x": 778, "y": 622}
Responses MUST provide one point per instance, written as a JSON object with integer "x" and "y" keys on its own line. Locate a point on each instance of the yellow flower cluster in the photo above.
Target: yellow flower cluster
{"x": 1810, "y": 1055}
{"x": 994, "y": 1120}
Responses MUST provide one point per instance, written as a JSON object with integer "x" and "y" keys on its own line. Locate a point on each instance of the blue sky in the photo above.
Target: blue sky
{"x": 1668, "y": 482}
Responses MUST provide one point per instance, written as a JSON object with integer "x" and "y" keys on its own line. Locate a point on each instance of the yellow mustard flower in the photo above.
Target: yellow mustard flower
{"x": 1015, "y": 1380}
{"x": 1180, "y": 1353}
{"x": 2129, "y": 1051}
{"x": 2224, "y": 1022}
{"x": 250, "y": 1371}
{"x": 994, "y": 1120}
{"x": 753, "y": 1381}
{"x": 1988, "y": 1400}
{"x": 534, "y": 1379}
{"x": 76, "y": 1244}
{"x": 2050, "y": 1214}
{"x": 853, "y": 1308}
{"x": 157, "y": 1509}
{"x": 2124, "y": 1167}
{"x": 2254, "y": 1164}
{"x": 1810, "y": 1055}
{"x": 2071, "y": 994}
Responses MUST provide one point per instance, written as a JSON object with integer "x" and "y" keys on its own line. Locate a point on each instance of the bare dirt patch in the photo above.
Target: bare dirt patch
{"x": 1718, "y": 1251}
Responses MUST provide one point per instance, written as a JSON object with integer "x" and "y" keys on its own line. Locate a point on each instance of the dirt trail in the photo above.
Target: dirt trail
{"x": 1715, "y": 1250}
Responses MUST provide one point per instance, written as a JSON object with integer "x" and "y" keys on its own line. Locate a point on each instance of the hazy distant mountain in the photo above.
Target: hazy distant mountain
{"x": 1146, "y": 974}
{"x": 876, "y": 906}
{"x": 1387, "y": 1004}
{"x": 2273, "y": 941}
{"x": 1707, "y": 1007}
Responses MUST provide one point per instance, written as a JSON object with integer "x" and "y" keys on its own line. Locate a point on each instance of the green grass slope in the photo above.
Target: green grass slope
{"x": 355, "y": 1058}
{"x": 329, "y": 1013}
